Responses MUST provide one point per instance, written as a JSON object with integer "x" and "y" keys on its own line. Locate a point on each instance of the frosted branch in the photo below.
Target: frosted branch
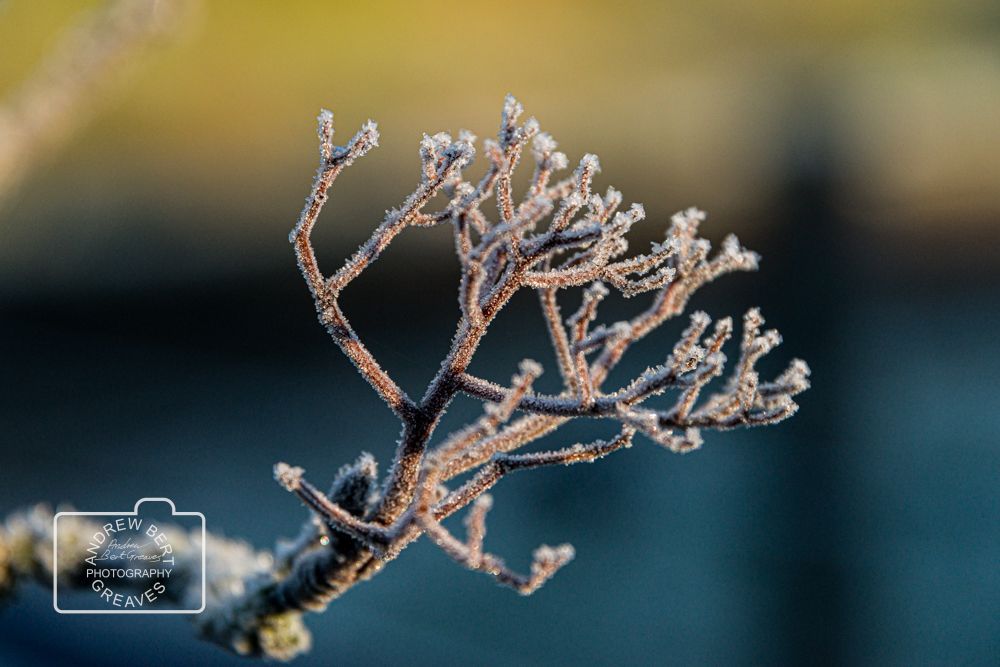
{"x": 363, "y": 523}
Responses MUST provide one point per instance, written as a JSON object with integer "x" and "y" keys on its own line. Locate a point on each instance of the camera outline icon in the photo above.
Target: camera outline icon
{"x": 124, "y": 515}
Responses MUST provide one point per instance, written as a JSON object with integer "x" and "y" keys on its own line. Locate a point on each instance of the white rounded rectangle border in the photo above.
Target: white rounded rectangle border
{"x": 134, "y": 512}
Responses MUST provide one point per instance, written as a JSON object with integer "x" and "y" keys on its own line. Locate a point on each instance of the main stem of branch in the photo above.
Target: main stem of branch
{"x": 419, "y": 426}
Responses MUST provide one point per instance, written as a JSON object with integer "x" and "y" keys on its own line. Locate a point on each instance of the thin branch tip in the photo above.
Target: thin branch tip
{"x": 290, "y": 477}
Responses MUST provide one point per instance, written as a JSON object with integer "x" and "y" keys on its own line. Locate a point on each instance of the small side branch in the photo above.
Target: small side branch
{"x": 546, "y": 560}
{"x": 333, "y": 160}
{"x": 503, "y": 464}
{"x": 374, "y": 536}
{"x": 605, "y": 405}
{"x": 557, "y": 333}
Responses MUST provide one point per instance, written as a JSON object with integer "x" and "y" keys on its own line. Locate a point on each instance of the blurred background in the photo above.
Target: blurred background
{"x": 156, "y": 337}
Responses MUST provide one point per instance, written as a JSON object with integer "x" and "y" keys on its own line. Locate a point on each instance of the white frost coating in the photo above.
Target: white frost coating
{"x": 589, "y": 164}
{"x": 543, "y": 145}
{"x": 688, "y": 218}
